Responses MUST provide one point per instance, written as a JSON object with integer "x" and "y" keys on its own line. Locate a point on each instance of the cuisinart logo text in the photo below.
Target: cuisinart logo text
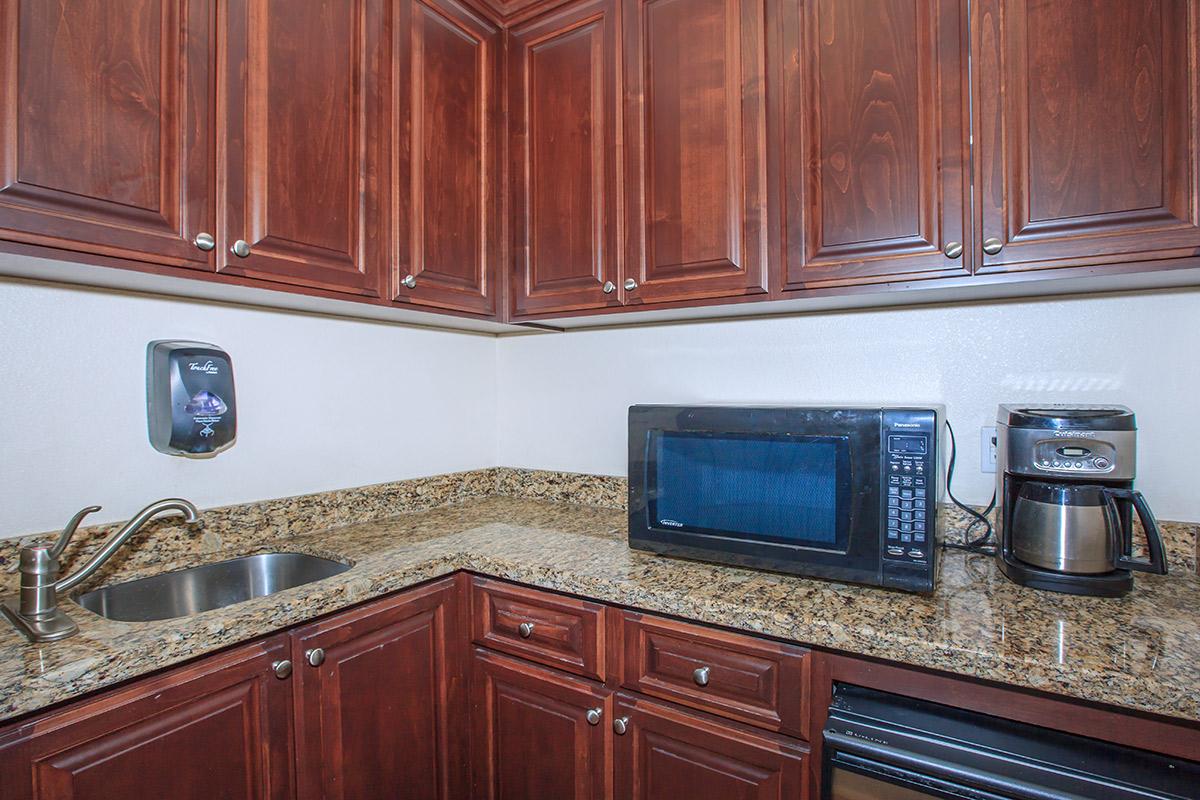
{"x": 207, "y": 366}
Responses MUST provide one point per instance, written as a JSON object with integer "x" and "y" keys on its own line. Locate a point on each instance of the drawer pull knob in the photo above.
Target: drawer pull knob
{"x": 609, "y": 287}
{"x": 992, "y": 245}
{"x": 700, "y": 676}
{"x": 409, "y": 281}
{"x": 204, "y": 241}
{"x": 953, "y": 249}
{"x": 525, "y": 629}
{"x": 630, "y": 284}
{"x": 315, "y": 657}
{"x": 282, "y": 669}
{"x": 620, "y": 725}
{"x": 241, "y": 248}
{"x": 593, "y": 716}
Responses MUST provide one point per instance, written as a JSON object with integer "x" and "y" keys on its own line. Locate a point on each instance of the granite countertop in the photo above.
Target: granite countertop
{"x": 1140, "y": 652}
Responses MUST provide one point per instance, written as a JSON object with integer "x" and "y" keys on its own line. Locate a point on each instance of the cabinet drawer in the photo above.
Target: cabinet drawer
{"x": 557, "y": 631}
{"x": 755, "y": 681}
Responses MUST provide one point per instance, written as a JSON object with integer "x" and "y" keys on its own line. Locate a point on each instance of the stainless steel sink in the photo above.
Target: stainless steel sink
{"x": 190, "y": 591}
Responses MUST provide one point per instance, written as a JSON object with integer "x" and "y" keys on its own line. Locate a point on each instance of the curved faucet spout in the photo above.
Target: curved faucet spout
{"x": 155, "y": 509}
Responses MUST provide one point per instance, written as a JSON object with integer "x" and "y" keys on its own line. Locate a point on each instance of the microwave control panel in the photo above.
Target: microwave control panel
{"x": 909, "y": 447}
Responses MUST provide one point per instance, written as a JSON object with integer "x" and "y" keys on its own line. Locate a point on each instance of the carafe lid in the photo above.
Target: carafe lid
{"x": 1067, "y": 417}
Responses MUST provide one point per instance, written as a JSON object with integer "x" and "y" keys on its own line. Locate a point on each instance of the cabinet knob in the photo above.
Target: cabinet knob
{"x": 204, "y": 241}
{"x": 620, "y": 725}
{"x": 593, "y": 715}
{"x": 992, "y": 245}
{"x": 241, "y": 248}
{"x": 409, "y": 281}
{"x": 315, "y": 657}
{"x": 525, "y": 629}
{"x": 953, "y": 249}
{"x": 700, "y": 676}
{"x": 282, "y": 669}
{"x": 609, "y": 287}
{"x": 630, "y": 284}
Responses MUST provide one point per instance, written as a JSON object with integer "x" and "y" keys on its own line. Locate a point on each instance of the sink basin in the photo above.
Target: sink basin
{"x": 190, "y": 591}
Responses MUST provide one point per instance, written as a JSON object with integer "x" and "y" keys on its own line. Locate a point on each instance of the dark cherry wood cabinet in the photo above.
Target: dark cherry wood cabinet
{"x": 1088, "y": 128}
{"x": 666, "y": 753}
{"x": 562, "y": 108}
{"x": 221, "y": 727}
{"x": 875, "y": 150}
{"x": 446, "y": 129}
{"x": 380, "y": 697}
{"x": 304, "y": 140}
{"x": 106, "y": 141}
{"x": 532, "y": 735}
{"x": 695, "y": 139}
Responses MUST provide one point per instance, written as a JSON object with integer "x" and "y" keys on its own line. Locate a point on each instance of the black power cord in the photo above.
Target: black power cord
{"x": 984, "y": 543}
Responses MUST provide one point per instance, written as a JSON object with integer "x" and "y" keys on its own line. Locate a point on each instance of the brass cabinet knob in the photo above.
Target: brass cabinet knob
{"x": 992, "y": 245}
{"x": 409, "y": 281}
{"x": 609, "y": 287}
{"x": 593, "y": 715}
{"x": 953, "y": 249}
{"x": 204, "y": 241}
{"x": 525, "y": 629}
{"x": 282, "y": 669}
{"x": 630, "y": 284}
{"x": 315, "y": 657}
{"x": 240, "y": 248}
{"x": 700, "y": 676}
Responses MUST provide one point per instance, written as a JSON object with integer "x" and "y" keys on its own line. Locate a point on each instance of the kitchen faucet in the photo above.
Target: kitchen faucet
{"x": 38, "y": 615}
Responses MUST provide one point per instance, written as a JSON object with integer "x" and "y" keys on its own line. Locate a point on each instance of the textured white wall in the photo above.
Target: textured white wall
{"x": 563, "y": 397}
{"x": 323, "y": 403}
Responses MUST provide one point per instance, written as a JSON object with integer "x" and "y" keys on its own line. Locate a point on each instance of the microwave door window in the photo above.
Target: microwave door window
{"x": 778, "y": 488}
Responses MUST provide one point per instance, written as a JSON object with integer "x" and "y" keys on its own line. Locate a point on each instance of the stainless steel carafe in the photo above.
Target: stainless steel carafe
{"x": 1079, "y": 529}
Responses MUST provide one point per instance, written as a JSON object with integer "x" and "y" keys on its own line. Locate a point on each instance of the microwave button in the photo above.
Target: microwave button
{"x": 906, "y": 494}
{"x": 893, "y": 534}
{"x": 893, "y": 490}
{"x": 895, "y": 551}
{"x": 905, "y": 505}
{"x": 895, "y": 467}
{"x": 894, "y": 480}
{"x": 915, "y": 553}
{"x": 893, "y": 522}
{"x": 906, "y": 527}
{"x": 919, "y": 514}
{"x": 894, "y": 502}
{"x": 906, "y": 516}
{"x": 920, "y": 481}
{"x": 906, "y": 537}
{"x": 907, "y": 466}
{"x": 920, "y": 466}
{"x": 918, "y": 536}
{"x": 893, "y": 512}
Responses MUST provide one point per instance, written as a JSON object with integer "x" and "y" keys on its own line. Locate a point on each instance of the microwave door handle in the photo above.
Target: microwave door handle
{"x": 1157, "y": 562}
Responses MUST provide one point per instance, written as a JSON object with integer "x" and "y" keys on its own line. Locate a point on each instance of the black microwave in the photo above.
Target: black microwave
{"x": 848, "y": 493}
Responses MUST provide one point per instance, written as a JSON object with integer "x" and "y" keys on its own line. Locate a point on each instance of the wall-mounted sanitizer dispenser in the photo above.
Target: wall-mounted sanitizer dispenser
{"x": 190, "y": 398}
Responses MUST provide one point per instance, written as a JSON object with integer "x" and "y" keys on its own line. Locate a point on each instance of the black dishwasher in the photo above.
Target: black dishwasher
{"x": 880, "y": 746}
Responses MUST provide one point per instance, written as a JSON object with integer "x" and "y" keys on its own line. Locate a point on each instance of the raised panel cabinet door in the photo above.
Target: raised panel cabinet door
{"x": 531, "y": 733}
{"x": 446, "y": 164}
{"x": 695, "y": 143}
{"x": 562, "y": 107}
{"x": 304, "y": 143}
{"x": 1087, "y": 117}
{"x": 666, "y": 753}
{"x": 218, "y": 728}
{"x": 875, "y": 151}
{"x": 106, "y": 141}
{"x": 380, "y": 700}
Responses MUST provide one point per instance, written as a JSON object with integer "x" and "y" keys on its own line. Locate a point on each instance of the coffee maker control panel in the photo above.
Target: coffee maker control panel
{"x": 1075, "y": 455}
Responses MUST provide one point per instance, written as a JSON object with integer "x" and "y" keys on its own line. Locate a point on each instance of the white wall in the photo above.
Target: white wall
{"x": 323, "y": 403}
{"x": 563, "y": 397}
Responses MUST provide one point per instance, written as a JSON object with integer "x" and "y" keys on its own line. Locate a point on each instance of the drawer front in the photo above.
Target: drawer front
{"x": 558, "y": 631}
{"x": 755, "y": 681}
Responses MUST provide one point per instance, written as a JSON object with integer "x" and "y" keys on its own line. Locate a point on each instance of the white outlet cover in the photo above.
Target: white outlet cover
{"x": 987, "y": 449}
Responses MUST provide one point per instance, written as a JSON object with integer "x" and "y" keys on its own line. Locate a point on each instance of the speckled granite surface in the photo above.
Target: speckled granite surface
{"x": 1141, "y": 652}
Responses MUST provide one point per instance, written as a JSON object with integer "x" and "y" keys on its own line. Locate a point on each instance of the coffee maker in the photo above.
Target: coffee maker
{"x": 1064, "y": 485}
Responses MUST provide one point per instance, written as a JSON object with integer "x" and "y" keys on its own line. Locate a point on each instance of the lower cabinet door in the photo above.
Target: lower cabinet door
{"x": 536, "y": 733}
{"x": 219, "y": 728}
{"x": 666, "y": 753}
{"x": 379, "y": 700}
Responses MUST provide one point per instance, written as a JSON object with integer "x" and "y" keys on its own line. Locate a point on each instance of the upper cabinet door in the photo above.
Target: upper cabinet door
{"x": 106, "y": 144}
{"x": 562, "y": 109}
{"x": 305, "y": 137}
{"x": 695, "y": 142}
{"x": 875, "y": 146}
{"x": 446, "y": 129}
{"x": 1088, "y": 130}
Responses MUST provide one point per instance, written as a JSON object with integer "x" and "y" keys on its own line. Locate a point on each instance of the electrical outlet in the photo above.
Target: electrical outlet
{"x": 987, "y": 449}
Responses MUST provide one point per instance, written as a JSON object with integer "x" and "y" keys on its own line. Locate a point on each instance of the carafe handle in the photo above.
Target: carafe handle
{"x": 1157, "y": 563}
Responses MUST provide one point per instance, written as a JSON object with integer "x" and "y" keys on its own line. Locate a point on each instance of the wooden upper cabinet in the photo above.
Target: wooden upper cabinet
{"x": 381, "y": 714}
{"x": 106, "y": 144}
{"x": 875, "y": 147}
{"x": 562, "y": 108}
{"x": 1088, "y": 129}
{"x": 695, "y": 142}
{"x": 305, "y": 143}
{"x": 221, "y": 727}
{"x": 446, "y": 156}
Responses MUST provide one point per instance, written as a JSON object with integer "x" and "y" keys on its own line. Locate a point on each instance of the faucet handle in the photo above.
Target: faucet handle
{"x": 69, "y": 531}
